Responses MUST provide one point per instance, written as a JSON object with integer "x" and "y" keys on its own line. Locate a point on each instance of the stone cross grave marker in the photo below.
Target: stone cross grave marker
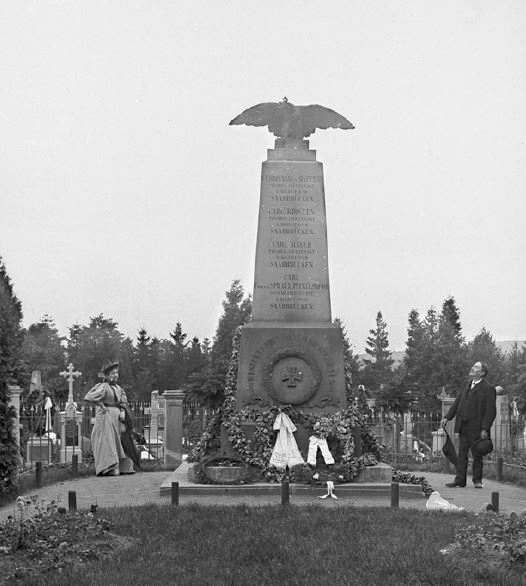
{"x": 70, "y": 375}
{"x": 70, "y": 421}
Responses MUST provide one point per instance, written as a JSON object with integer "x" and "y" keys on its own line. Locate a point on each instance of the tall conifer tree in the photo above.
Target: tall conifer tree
{"x": 10, "y": 367}
{"x": 378, "y": 369}
{"x": 207, "y": 385}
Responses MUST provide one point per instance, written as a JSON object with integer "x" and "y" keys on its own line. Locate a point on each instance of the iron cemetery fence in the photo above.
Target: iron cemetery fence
{"x": 418, "y": 435}
{"x": 42, "y": 434}
{"x": 55, "y": 435}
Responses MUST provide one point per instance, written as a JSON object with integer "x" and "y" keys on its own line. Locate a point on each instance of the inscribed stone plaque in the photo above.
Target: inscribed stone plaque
{"x": 72, "y": 438}
{"x": 292, "y": 278}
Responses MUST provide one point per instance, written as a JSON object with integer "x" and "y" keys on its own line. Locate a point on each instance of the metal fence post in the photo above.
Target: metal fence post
{"x": 396, "y": 441}
{"x": 75, "y": 465}
{"x": 72, "y": 500}
{"x": 500, "y": 463}
{"x": 175, "y": 494}
{"x": 285, "y": 493}
{"x": 38, "y": 475}
{"x": 495, "y": 501}
{"x": 395, "y": 495}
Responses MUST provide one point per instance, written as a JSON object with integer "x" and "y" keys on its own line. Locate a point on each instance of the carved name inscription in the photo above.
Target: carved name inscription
{"x": 291, "y": 280}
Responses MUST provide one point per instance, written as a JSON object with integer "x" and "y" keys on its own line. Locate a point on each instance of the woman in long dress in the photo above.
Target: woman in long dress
{"x": 110, "y": 457}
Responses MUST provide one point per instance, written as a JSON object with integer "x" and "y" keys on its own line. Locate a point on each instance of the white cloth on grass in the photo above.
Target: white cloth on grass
{"x": 436, "y": 503}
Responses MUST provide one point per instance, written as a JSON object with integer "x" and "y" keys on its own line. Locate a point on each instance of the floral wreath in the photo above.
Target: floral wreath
{"x": 337, "y": 426}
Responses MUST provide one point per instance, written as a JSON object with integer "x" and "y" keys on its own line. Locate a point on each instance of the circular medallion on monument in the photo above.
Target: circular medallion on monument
{"x": 292, "y": 377}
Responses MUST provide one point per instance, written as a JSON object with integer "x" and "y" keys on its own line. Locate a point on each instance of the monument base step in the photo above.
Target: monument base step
{"x": 185, "y": 476}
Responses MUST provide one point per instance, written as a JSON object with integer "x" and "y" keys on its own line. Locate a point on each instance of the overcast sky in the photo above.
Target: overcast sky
{"x": 124, "y": 191}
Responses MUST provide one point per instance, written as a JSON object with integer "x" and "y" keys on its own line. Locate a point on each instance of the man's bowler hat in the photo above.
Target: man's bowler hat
{"x": 482, "y": 447}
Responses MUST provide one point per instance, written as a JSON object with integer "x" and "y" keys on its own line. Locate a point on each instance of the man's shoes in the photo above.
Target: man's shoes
{"x": 478, "y": 485}
{"x": 455, "y": 485}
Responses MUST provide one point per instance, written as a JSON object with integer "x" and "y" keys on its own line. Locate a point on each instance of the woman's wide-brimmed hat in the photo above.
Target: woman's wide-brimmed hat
{"x": 482, "y": 447}
{"x": 107, "y": 366}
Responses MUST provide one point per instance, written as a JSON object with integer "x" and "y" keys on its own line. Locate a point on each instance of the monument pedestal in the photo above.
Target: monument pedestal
{"x": 299, "y": 364}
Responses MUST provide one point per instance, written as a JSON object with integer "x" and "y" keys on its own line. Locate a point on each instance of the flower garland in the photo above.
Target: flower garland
{"x": 408, "y": 478}
{"x": 331, "y": 426}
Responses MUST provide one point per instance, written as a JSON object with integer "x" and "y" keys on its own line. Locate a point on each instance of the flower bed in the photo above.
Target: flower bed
{"x": 44, "y": 537}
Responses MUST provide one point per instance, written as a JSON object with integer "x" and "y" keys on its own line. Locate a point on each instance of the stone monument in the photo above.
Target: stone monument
{"x": 290, "y": 351}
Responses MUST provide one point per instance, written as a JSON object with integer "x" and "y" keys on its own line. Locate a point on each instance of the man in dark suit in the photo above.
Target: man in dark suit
{"x": 475, "y": 410}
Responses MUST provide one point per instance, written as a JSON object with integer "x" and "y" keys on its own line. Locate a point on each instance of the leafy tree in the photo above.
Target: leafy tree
{"x": 11, "y": 337}
{"x": 519, "y": 389}
{"x": 43, "y": 350}
{"x": 378, "y": 369}
{"x": 207, "y": 385}
{"x": 396, "y": 395}
{"x": 89, "y": 346}
{"x": 515, "y": 381}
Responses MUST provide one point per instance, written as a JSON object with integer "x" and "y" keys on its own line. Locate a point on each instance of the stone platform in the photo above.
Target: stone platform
{"x": 373, "y": 481}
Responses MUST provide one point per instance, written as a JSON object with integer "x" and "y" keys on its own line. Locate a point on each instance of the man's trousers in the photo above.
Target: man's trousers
{"x": 468, "y": 435}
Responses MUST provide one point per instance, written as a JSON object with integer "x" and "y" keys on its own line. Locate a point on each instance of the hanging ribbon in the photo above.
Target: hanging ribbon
{"x": 321, "y": 443}
{"x": 330, "y": 489}
{"x": 286, "y": 452}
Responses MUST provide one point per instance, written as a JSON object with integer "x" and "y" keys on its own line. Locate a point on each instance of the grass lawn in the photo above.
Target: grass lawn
{"x": 296, "y": 545}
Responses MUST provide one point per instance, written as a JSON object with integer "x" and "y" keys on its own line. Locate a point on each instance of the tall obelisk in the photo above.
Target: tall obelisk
{"x": 290, "y": 351}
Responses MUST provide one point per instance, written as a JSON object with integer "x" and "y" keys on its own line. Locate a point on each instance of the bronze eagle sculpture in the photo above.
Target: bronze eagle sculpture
{"x": 285, "y": 120}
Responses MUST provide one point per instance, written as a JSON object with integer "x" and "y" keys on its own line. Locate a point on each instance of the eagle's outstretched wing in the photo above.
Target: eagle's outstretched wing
{"x": 285, "y": 120}
{"x": 316, "y": 116}
{"x": 259, "y": 115}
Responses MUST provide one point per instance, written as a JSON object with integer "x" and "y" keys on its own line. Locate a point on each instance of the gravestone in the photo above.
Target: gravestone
{"x": 501, "y": 429}
{"x": 70, "y": 421}
{"x": 290, "y": 351}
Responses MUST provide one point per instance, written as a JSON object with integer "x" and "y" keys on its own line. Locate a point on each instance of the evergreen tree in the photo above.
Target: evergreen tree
{"x": 172, "y": 360}
{"x": 484, "y": 348}
{"x": 236, "y": 311}
{"x": 143, "y": 375}
{"x": 178, "y": 356}
{"x": 451, "y": 358}
{"x": 378, "y": 369}
{"x": 208, "y": 384}
{"x": 195, "y": 358}
{"x": 413, "y": 362}
{"x": 352, "y": 365}
{"x": 11, "y": 337}
{"x": 436, "y": 355}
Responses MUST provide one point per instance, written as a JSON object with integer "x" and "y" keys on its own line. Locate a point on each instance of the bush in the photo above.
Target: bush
{"x": 491, "y": 532}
